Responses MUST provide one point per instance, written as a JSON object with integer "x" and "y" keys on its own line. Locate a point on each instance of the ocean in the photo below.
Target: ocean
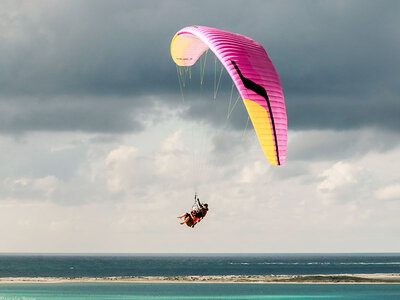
{"x": 73, "y": 266}
{"x": 195, "y": 264}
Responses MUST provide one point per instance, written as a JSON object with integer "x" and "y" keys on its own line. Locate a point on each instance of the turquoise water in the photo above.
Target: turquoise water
{"x": 189, "y": 291}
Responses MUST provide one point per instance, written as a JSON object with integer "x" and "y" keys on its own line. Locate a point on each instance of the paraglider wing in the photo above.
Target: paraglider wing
{"x": 253, "y": 74}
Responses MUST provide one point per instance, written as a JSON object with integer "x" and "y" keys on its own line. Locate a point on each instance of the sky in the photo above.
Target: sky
{"x": 100, "y": 151}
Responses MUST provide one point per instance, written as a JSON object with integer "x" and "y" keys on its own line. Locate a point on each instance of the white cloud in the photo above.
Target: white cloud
{"x": 140, "y": 187}
{"x": 121, "y": 168}
{"x": 27, "y": 187}
{"x": 341, "y": 174}
{"x": 390, "y": 192}
{"x": 173, "y": 156}
{"x": 253, "y": 172}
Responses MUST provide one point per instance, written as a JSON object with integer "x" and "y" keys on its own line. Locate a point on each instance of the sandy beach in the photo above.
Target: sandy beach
{"x": 393, "y": 278}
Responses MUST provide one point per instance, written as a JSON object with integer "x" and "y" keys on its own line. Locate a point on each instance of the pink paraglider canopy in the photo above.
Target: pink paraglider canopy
{"x": 253, "y": 74}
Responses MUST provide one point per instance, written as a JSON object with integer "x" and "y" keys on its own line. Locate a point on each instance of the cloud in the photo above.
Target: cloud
{"x": 59, "y": 56}
{"x": 99, "y": 146}
{"x": 31, "y": 188}
{"x": 339, "y": 175}
{"x": 104, "y": 115}
{"x": 173, "y": 155}
{"x": 390, "y": 192}
{"x": 121, "y": 167}
{"x": 313, "y": 145}
{"x": 129, "y": 172}
{"x": 127, "y": 187}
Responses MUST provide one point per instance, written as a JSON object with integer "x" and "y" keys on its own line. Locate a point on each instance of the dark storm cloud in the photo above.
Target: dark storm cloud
{"x": 75, "y": 114}
{"x": 329, "y": 145}
{"x": 338, "y": 61}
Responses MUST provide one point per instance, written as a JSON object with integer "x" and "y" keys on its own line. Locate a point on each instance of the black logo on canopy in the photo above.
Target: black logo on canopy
{"x": 258, "y": 89}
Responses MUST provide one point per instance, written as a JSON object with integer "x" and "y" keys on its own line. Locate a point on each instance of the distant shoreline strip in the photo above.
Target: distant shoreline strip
{"x": 381, "y": 278}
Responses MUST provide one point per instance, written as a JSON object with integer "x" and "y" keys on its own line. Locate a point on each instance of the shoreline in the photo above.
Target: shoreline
{"x": 379, "y": 278}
